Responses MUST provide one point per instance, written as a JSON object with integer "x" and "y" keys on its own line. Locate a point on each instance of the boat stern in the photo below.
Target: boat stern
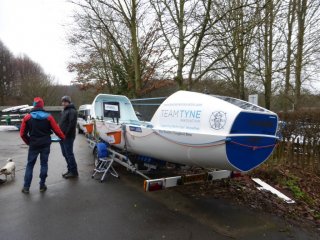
{"x": 252, "y": 139}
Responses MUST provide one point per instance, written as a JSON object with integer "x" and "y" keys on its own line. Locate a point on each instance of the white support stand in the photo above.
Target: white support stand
{"x": 267, "y": 187}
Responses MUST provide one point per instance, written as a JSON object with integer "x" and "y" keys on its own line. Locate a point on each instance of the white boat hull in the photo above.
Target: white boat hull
{"x": 8, "y": 128}
{"x": 203, "y": 131}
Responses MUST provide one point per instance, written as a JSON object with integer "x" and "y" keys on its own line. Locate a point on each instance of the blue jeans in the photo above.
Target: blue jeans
{"x": 67, "y": 152}
{"x": 32, "y": 159}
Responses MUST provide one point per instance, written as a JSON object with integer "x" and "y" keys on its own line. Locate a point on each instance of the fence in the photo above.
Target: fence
{"x": 147, "y": 106}
{"x": 299, "y": 144}
{"x": 54, "y": 110}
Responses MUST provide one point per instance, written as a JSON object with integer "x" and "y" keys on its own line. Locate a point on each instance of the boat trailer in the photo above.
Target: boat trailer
{"x": 103, "y": 164}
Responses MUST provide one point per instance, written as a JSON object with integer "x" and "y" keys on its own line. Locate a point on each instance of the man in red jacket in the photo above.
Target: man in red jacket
{"x": 35, "y": 131}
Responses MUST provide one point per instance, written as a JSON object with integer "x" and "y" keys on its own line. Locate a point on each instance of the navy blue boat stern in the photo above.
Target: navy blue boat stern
{"x": 255, "y": 141}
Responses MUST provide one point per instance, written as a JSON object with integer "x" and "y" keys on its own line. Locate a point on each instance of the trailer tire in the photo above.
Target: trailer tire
{"x": 95, "y": 157}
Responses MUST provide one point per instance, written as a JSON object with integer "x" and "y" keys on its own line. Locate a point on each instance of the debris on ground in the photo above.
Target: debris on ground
{"x": 302, "y": 186}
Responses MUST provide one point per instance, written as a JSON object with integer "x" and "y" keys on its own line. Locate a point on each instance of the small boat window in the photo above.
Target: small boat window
{"x": 111, "y": 110}
{"x": 242, "y": 104}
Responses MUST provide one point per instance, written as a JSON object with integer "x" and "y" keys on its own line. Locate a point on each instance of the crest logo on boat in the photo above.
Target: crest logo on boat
{"x": 218, "y": 120}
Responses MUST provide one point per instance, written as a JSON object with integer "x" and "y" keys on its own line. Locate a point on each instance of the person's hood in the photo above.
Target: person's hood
{"x": 38, "y": 102}
{"x": 71, "y": 105}
{"x": 39, "y": 114}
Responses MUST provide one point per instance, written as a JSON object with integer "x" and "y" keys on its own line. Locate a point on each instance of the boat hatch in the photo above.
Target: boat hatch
{"x": 111, "y": 110}
{"x": 242, "y": 104}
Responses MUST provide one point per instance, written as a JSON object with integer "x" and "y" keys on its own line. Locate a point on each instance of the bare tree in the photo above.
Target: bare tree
{"x": 266, "y": 63}
{"x": 184, "y": 25}
{"x": 21, "y": 79}
{"x": 32, "y": 80}
{"x": 307, "y": 38}
{"x": 239, "y": 29}
{"x": 7, "y": 84}
{"x": 301, "y": 17}
{"x": 301, "y": 36}
{"x": 266, "y": 46}
{"x": 118, "y": 56}
{"x": 291, "y": 11}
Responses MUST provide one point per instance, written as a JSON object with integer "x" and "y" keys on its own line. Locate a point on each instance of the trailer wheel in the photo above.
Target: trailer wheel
{"x": 95, "y": 157}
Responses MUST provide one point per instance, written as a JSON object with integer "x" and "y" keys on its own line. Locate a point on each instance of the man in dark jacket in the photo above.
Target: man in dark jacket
{"x": 35, "y": 131}
{"x": 68, "y": 124}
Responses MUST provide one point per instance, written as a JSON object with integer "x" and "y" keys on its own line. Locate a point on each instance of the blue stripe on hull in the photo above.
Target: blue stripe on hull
{"x": 243, "y": 152}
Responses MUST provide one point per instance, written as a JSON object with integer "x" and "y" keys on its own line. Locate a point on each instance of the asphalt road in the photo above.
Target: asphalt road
{"x": 117, "y": 208}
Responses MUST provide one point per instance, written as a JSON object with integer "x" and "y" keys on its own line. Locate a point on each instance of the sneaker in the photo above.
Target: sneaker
{"x": 43, "y": 188}
{"x": 71, "y": 175}
{"x": 66, "y": 173}
{"x": 25, "y": 190}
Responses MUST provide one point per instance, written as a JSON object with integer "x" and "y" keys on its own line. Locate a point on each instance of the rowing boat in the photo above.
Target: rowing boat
{"x": 191, "y": 128}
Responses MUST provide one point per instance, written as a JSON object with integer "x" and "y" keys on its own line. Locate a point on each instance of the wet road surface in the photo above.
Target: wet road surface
{"x": 84, "y": 208}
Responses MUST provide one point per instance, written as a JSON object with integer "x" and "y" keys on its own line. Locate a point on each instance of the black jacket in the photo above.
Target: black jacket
{"x": 68, "y": 121}
{"x": 36, "y": 128}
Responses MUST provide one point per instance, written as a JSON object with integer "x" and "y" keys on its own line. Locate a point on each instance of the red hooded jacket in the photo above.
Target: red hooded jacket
{"x": 37, "y": 126}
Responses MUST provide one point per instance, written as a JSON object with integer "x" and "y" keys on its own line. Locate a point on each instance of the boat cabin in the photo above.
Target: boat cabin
{"x": 115, "y": 108}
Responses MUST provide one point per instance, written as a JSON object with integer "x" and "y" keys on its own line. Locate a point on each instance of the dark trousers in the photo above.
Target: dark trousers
{"x": 32, "y": 159}
{"x": 67, "y": 152}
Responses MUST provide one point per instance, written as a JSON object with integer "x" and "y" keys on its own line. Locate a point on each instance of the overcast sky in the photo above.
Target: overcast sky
{"x": 38, "y": 28}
